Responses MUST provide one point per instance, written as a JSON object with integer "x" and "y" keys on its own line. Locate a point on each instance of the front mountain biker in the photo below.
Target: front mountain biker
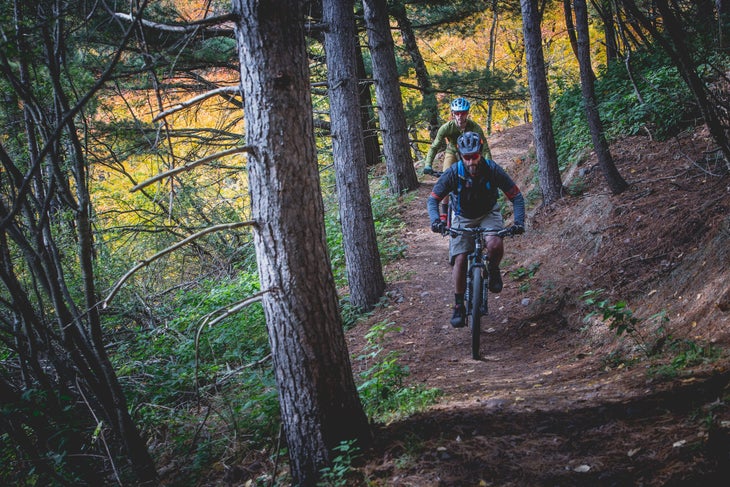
{"x": 473, "y": 183}
{"x": 446, "y": 140}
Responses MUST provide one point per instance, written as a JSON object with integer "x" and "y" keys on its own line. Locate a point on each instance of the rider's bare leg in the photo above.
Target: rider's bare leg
{"x": 458, "y": 273}
{"x": 495, "y": 248}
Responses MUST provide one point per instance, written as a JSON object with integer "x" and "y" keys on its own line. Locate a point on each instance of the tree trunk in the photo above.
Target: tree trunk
{"x": 56, "y": 326}
{"x": 429, "y": 103}
{"x": 679, "y": 52}
{"x": 605, "y": 12}
{"x": 686, "y": 66}
{"x": 723, "y": 23}
{"x": 491, "y": 61}
{"x": 600, "y": 145}
{"x": 398, "y": 159}
{"x": 370, "y": 128}
{"x": 547, "y": 156}
{"x": 362, "y": 259}
{"x": 320, "y": 407}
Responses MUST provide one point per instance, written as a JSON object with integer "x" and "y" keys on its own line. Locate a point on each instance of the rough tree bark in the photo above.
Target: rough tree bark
{"x": 430, "y": 105}
{"x": 319, "y": 402}
{"x": 616, "y": 183}
{"x": 367, "y": 115}
{"x": 362, "y": 259}
{"x": 398, "y": 159}
{"x": 547, "y": 155}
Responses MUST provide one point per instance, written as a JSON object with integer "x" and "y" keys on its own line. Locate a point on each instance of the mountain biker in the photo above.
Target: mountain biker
{"x": 473, "y": 183}
{"x": 446, "y": 137}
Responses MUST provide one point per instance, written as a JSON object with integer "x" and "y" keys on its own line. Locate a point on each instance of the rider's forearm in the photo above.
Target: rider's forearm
{"x": 518, "y": 205}
{"x": 433, "y": 208}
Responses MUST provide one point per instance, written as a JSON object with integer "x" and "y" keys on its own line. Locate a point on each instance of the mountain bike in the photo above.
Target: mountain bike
{"x": 477, "y": 279}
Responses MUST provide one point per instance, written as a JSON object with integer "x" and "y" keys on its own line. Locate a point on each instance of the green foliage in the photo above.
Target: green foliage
{"x": 216, "y": 50}
{"x": 62, "y": 427}
{"x": 480, "y": 84}
{"x": 685, "y": 354}
{"x": 387, "y": 221}
{"x": 621, "y": 320}
{"x": 336, "y": 475}
{"x": 171, "y": 352}
{"x": 665, "y": 107}
{"x": 619, "y": 317}
{"x": 576, "y": 187}
{"x": 168, "y": 371}
{"x": 525, "y": 274}
{"x": 452, "y": 17}
{"x": 382, "y": 390}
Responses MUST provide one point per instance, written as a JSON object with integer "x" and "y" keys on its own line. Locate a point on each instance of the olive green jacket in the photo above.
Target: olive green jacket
{"x": 446, "y": 137}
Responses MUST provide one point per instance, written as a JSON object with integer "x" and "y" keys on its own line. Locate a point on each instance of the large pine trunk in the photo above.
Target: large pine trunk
{"x": 319, "y": 402}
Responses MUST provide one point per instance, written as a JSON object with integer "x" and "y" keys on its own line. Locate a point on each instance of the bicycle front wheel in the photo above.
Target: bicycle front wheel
{"x": 477, "y": 289}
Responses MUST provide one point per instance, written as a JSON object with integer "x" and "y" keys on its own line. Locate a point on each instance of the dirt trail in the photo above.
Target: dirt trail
{"x": 545, "y": 405}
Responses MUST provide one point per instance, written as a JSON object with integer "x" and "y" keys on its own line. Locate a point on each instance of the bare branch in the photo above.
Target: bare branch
{"x": 236, "y": 90}
{"x": 190, "y": 26}
{"x": 191, "y": 165}
{"x": 230, "y": 310}
{"x": 172, "y": 248}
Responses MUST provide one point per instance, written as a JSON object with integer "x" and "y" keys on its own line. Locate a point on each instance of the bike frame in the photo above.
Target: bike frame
{"x": 477, "y": 279}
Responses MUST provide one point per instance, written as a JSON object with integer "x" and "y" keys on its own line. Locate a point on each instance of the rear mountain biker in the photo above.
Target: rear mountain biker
{"x": 446, "y": 139}
{"x": 473, "y": 183}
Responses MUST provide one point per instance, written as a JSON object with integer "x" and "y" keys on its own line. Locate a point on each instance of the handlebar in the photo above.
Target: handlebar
{"x": 480, "y": 231}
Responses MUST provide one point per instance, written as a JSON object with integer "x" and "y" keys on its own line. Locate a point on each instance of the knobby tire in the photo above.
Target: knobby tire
{"x": 476, "y": 302}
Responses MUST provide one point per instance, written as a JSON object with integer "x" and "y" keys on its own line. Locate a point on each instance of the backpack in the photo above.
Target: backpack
{"x": 462, "y": 176}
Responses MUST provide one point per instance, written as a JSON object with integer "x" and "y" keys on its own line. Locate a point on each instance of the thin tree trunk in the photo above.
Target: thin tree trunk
{"x": 600, "y": 145}
{"x": 70, "y": 363}
{"x": 370, "y": 128}
{"x": 723, "y": 23}
{"x": 679, "y": 52}
{"x": 429, "y": 103}
{"x": 491, "y": 61}
{"x": 605, "y": 12}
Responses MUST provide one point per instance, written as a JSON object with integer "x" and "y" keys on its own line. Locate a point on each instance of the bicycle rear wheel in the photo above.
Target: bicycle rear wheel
{"x": 476, "y": 312}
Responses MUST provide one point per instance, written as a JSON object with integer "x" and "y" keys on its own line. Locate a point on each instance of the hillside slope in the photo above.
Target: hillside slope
{"x": 555, "y": 399}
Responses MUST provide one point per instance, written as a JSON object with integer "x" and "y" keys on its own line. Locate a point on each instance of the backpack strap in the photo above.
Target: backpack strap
{"x": 462, "y": 177}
